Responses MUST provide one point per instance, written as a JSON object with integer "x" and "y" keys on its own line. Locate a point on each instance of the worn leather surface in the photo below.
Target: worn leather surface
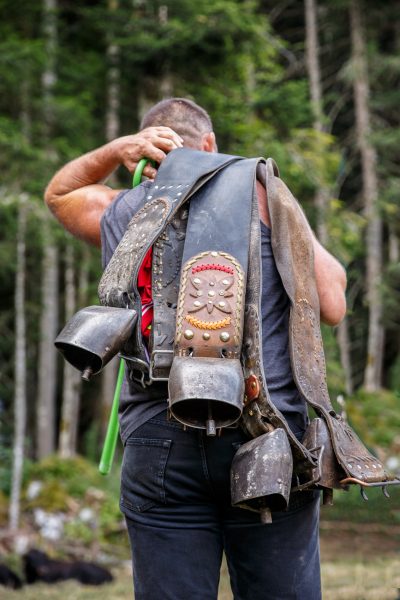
{"x": 166, "y": 270}
{"x": 294, "y": 257}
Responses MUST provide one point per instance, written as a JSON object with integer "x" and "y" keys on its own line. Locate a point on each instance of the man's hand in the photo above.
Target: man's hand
{"x": 77, "y": 195}
{"x": 153, "y": 143}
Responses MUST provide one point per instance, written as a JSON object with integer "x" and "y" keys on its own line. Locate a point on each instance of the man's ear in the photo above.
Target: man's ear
{"x": 208, "y": 142}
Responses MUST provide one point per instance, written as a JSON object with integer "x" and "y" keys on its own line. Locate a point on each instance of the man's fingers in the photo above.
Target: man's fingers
{"x": 167, "y": 132}
{"x": 167, "y": 144}
{"x": 149, "y": 172}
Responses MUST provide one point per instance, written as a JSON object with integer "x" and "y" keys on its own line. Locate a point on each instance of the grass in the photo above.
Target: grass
{"x": 376, "y": 579}
{"x": 349, "y": 506}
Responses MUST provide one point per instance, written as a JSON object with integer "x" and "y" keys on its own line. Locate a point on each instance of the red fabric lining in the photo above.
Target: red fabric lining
{"x": 144, "y": 288}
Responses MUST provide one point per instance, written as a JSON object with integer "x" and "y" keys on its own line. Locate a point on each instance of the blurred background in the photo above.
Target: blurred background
{"x": 315, "y": 85}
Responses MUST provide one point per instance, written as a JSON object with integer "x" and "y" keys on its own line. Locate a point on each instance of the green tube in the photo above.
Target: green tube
{"x": 137, "y": 176}
{"x": 110, "y": 442}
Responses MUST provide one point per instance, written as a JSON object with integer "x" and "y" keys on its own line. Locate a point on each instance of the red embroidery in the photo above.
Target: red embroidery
{"x": 214, "y": 267}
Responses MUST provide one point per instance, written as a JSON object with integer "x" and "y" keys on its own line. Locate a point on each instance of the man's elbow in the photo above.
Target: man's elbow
{"x": 335, "y": 314}
{"x": 333, "y": 304}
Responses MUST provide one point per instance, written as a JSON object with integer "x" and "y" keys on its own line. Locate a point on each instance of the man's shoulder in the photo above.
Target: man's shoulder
{"x": 126, "y": 203}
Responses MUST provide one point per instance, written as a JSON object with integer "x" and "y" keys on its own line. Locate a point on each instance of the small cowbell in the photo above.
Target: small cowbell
{"x": 93, "y": 336}
{"x": 328, "y": 473}
{"x": 261, "y": 474}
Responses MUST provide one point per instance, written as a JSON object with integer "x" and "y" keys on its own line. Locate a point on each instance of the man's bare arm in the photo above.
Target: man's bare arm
{"x": 77, "y": 195}
{"x": 331, "y": 285}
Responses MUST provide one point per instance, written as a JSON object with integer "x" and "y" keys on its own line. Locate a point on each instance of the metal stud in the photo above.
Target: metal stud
{"x": 197, "y": 303}
{"x": 188, "y": 334}
{"x": 224, "y": 336}
{"x": 196, "y": 280}
{"x": 206, "y": 336}
{"x": 221, "y": 304}
{"x": 225, "y": 281}
{"x": 211, "y": 293}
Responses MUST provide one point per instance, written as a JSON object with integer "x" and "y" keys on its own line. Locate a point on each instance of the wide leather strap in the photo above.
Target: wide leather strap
{"x": 260, "y": 415}
{"x": 294, "y": 257}
{"x": 180, "y": 175}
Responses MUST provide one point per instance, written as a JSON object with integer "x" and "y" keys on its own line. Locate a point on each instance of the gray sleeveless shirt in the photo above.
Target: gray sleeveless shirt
{"x": 138, "y": 405}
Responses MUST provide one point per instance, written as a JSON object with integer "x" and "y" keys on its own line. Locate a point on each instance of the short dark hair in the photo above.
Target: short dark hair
{"x": 184, "y": 116}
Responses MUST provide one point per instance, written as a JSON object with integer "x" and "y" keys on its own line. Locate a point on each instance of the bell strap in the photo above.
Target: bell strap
{"x": 260, "y": 415}
{"x": 294, "y": 256}
{"x": 176, "y": 181}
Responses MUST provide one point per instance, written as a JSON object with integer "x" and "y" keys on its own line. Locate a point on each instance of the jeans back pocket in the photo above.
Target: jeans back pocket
{"x": 143, "y": 472}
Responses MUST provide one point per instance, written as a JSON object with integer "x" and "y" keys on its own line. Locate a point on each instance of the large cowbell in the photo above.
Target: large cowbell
{"x": 206, "y": 385}
{"x": 261, "y": 474}
{"x": 93, "y": 337}
{"x": 207, "y": 393}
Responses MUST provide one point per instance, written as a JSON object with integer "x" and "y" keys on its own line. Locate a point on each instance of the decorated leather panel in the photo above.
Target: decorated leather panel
{"x": 210, "y": 306}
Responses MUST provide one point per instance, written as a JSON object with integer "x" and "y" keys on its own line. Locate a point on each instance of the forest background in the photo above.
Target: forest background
{"x": 315, "y": 85}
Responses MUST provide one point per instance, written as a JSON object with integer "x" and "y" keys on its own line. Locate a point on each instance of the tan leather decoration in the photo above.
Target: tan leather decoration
{"x": 210, "y": 307}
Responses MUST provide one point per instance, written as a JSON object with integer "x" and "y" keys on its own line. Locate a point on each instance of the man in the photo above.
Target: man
{"x": 175, "y": 482}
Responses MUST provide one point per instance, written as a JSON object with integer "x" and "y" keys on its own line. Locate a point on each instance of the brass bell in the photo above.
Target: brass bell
{"x": 206, "y": 393}
{"x": 261, "y": 474}
{"x": 93, "y": 336}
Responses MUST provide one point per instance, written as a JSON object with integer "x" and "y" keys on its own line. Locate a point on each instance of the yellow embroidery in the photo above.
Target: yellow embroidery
{"x": 208, "y": 324}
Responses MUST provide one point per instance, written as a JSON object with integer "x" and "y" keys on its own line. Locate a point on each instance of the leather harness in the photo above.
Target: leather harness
{"x": 223, "y": 200}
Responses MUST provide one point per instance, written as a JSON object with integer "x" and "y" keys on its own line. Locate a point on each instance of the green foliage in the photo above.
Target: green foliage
{"x": 376, "y": 415}
{"x": 345, "y": 229}
{"x": 349, "y": 506}
{"x": 75, "y": 475}
{"x": 53, "y": 497}
{"x": 3, "y": 510}
{"x": 70, "y": 485}
{"x": 334, "y": 371}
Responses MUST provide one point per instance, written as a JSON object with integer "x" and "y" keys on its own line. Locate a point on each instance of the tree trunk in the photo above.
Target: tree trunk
{"x": 321, "y": 198}
{"x": 109, "y": 375}
{"x": 394, "y": 247}
{"x": 47, "y": 354}
{"x": 113, "y": 88}
{"x": 72, "y": 379}
{"x": 375, "y": 343}
{"x": 47, "y": 377}
{"x": 20, "y": 370}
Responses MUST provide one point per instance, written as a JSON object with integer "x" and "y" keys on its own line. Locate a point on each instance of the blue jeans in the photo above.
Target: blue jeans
{"x": 175, "y": 495}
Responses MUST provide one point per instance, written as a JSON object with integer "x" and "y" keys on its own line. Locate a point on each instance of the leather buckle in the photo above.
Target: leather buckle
{"x": 153, "y": 366}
